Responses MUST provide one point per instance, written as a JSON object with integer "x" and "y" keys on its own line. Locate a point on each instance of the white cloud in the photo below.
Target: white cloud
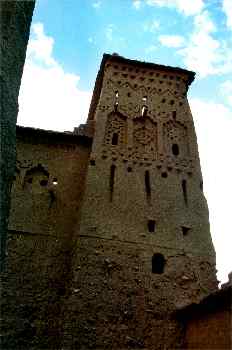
{"x": 97, "y": 4}
{"x": 203, "y": 53}
{"x": 213, "y": 124}
{"x": 187, "y": 7}
{"x": 92, "y": 40}
{"x": 150, "y": 49}
{"x": 171, "y": 40}
{"x": 49, "y": 97}
{"x": 151, "y": 26}
{"x": 41, "y": 46}
{"x": 109, "y": 32}
{"x": 227, "y": 8}
{"x": 136, "y": 4}
{"x": 226, "y": 90}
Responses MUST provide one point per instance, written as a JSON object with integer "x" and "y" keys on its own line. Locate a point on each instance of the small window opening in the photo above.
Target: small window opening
{"x": 185, "y": 230}
{"x": 184, "y": 189}
{"x": 158, "y": 263}
{"x": 164, "y": 175}
{"x": 148, "y": 185}
{"x": 43, "y": 183}
{"x": 174, "y": 114}
{"x": 55, "y": 181}
{"x": 201, "y": 185}
{"x": 129, "y": 169}
{"x": 116, "y": 100}
{"x": 175, "y": 149}
{"x": 61, "y": 290}
{"x": 144, "y": 111}
{"x": 115, "y": 139}
{"x": 92, "y": 162}
{"x": 151, "y": 225}
{"x": 112, "y": 176}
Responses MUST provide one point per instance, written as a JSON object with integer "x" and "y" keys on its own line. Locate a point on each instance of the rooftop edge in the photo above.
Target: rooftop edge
{"x": 120, "y": 59}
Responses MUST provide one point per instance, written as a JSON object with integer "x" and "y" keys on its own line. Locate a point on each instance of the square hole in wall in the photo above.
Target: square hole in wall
{"x": 185, "y": 230}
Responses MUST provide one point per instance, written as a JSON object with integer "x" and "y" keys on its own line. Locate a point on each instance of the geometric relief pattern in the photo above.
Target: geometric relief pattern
{"x": 144, "y": 138}
{"x": 175, "y": 133}
{"x": 116, "y": 131}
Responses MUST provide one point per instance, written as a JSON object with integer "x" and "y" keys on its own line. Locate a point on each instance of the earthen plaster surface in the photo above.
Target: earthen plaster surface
{"x": 109, "y": 231}
{"x": 136, "y": 176}
{"x": 46, "y": 198}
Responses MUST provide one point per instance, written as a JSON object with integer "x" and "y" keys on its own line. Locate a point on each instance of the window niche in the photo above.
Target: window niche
{"x": 147, "y": 185}
{"x": 144, "y": 111}
{"x": 111, "y": 182}
{"x": 185, "y": 230}
{"x": 115, "y": 139}
{"x": 164, "y": 175}
{"x": 158, "y": 263}
{"x": 151, "y": 226}
{"x": 43, "y": 182}
{"x": 201, "y": 186}
{"x": 184, "y": 190}
{"x": 55, "y": 181}
{"x": 116, "y": 100}
{"x": 175, "y": 149}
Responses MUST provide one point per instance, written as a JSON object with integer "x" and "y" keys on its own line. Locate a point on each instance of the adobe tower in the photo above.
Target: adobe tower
{"x": 142, "y": 246}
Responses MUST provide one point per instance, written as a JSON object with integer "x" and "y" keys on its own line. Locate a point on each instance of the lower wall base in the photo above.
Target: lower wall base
{"x": 116, "y": 302}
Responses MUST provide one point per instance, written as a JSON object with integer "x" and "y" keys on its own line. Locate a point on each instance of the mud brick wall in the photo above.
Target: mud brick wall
{"x": 208, "y": 325}
{"x": 46, "y": 198}
{"x": 143, "y": 244}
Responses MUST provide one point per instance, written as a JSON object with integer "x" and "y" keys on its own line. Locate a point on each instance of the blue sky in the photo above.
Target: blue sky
{"x": 68, "y": 39}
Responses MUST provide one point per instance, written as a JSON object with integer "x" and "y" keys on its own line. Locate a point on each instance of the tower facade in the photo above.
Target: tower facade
{"x": 142, "y": 246}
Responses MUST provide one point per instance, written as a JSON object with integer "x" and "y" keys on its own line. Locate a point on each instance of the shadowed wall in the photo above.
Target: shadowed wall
{"x": 15, "y": 20}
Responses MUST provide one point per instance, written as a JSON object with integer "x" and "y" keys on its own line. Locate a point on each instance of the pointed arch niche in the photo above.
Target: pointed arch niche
{"x": 176, "y": 139}
{"x": 116, "y": 131}
{"x": 144, "y": 138}
{"x": 36, "y": 179}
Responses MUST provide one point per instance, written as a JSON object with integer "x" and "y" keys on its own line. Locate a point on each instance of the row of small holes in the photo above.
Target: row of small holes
{"x": 165, "y": 76}
{"x": 151, "y": 225}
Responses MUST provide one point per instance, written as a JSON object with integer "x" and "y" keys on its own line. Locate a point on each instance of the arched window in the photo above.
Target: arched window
{"x": 36, "y": 179}
{"x": 158, "y": 263}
